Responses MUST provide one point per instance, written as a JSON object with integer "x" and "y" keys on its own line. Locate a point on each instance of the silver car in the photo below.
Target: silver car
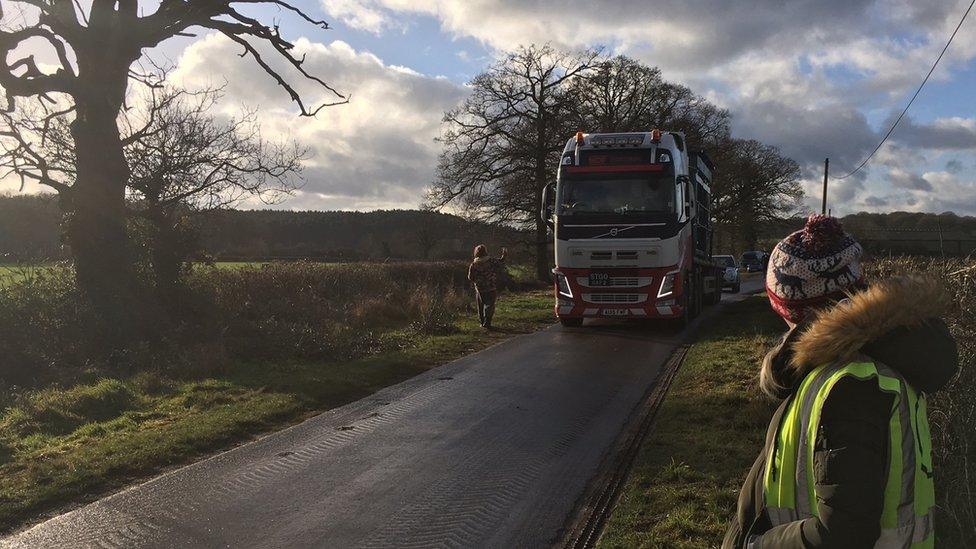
{"x": 730, "y": 278}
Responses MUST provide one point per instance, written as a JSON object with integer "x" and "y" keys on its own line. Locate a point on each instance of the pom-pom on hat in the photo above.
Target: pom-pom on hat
{"x": 811, "y": 267}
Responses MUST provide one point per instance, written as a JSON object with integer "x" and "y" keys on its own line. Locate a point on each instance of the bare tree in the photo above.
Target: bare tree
{"x": 754, "y": 183}
{"x": 624, "y": 95}
{"x": 502, "y": 145}
{"x": 95, "y": 51}
{"x": 184, "y": 159}
{"x": 758, "y": 184}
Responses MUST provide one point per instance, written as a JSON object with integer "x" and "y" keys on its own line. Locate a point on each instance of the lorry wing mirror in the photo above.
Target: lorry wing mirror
{"x": 547, "y": 206}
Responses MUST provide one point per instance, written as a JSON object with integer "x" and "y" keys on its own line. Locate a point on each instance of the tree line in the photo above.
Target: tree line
{"x": 503, "y": 143}
{"x": 30, "y": 234}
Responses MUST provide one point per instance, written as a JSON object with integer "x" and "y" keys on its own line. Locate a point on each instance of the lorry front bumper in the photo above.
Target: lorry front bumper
{"x": 630, "y": 293}
{"x": 663, "y": 310}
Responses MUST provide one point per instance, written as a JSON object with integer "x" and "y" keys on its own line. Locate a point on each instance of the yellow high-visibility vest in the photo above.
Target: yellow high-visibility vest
{"x": 909, "y": 497}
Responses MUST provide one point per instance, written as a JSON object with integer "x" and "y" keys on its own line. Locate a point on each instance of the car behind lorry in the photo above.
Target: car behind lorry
{"x": 730, "y": 276}
{"x": 754, "y": 261}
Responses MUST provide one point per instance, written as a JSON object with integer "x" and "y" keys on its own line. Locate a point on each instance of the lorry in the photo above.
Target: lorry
{"x": 630, "y": 215}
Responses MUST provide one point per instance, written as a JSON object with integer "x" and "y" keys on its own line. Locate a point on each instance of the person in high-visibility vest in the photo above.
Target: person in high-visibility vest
{"x": 848, "y": 455}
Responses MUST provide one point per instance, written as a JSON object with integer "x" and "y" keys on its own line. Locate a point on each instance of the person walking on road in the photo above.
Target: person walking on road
{"x": 483, "y": 273}
{"x": 848, "y": 455}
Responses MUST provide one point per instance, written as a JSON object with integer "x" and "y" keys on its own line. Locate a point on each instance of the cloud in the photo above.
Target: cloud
{"x": 377, "y": 151}
{"x": 360, "y": 15}
{"x": 907, "y": 180}
{"x": 814, "y": 77}
{"x": 875, "y": 201}
{"x": 807, "y": 134}
{"x": 949, "y": 192}
{"x": 802, "y": 75}
{"x": 955, "y": 193}
{"x": 689, "y": 33}
{"x": 954, "y": 166}
{"x": 954, "y": 133}
{"x": 888, "y": 40}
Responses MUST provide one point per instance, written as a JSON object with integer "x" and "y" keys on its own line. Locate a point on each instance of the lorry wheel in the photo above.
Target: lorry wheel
{"x": 716, "y": 294}
{"x": 681, "y": 322}
{"x": 571, "y": 322}
{"x": 697, "y": 298}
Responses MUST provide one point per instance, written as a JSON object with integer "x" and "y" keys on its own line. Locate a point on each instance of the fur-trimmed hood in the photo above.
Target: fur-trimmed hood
{"x": 896, "y": 321}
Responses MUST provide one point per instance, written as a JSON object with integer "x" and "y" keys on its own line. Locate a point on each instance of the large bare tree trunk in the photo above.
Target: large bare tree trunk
{"x": 96, "y": 216}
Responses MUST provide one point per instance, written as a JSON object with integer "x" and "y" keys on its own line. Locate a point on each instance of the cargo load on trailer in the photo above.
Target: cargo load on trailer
{"x": 630, "y": 213}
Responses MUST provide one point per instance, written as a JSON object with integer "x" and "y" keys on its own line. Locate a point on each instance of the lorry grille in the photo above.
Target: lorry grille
{"x": 619, "y": 255}
{"x": 615, "y": 298}
{"x": 618, "y": 281}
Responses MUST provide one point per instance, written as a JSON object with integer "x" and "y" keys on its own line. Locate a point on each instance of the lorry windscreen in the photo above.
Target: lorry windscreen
{"x": 616, "y": 195}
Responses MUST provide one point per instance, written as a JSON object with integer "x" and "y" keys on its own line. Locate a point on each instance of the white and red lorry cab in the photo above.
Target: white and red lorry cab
{"x": 631, "y": 217}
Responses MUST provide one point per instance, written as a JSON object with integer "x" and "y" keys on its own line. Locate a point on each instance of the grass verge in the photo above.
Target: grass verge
{"x": 65, "y": 445}
{"x": 684, "y": 484}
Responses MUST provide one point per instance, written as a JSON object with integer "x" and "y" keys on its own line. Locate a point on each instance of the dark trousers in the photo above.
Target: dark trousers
{"x": 486, "y": 306}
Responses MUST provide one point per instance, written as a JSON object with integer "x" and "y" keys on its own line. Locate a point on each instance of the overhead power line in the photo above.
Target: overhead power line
{"x": 912, "y": 100}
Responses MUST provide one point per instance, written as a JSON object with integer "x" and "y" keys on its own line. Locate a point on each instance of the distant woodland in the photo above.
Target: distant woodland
{"x": 29, "y": 231}
{"x": 896, "y": 233}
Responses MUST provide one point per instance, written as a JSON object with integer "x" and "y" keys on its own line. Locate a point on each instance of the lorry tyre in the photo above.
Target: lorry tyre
{"x": 571, "y": 322}
{"x": 717, "y": 292}
{"x": 681, "y": 322}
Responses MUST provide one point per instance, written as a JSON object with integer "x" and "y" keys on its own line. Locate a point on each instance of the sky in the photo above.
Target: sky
{"x": 816, "y": 78}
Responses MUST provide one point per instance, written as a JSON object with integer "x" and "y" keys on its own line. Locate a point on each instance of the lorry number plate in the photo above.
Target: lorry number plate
{"x": 599, "y": 279}
{"x": 616, "y": 312}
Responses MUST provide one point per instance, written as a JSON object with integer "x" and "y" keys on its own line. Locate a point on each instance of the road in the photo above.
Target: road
{"x": 490, "y": 450}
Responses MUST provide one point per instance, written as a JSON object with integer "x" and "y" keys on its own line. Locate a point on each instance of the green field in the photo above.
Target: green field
{"x": 61, "y": 445}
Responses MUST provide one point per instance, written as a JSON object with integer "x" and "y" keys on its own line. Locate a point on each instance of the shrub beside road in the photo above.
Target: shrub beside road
{"x": 276, "y": 344}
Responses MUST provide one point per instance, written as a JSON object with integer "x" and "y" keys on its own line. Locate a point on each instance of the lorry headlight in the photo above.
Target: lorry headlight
{"x": 562, "y": 283}
{"x": 667, "y": 284}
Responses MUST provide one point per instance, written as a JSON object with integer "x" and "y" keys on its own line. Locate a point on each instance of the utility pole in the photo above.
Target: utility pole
{"x": 823, "y": 208}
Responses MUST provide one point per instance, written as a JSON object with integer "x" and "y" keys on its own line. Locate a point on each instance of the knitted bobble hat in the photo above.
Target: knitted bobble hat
{"x": 812, "y": 267}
